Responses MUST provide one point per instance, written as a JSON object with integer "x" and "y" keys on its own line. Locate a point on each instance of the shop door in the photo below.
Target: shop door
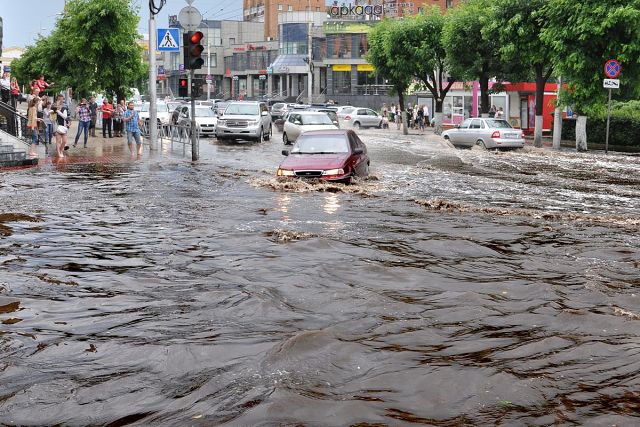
{"x": 524, "y": 113}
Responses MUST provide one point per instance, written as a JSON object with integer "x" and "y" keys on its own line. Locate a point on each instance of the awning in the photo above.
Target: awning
{"x": 290, "y": 64}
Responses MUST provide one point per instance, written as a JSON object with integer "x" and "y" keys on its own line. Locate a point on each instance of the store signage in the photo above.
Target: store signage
{"x": 341, "y": 67}
{"x": 353, "y": 10}
{"x": 365, "y": 67}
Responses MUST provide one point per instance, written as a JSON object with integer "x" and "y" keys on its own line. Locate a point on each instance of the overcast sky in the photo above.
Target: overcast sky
{"x": 24, "y": 19}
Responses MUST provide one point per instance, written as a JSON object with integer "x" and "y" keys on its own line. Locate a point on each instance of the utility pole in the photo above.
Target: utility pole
{"x": 153, "y": 112}
{"x": 194, "y": 130}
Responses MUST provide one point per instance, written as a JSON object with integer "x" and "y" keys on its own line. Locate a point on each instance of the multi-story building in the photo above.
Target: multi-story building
{"x": 267, "y": 11}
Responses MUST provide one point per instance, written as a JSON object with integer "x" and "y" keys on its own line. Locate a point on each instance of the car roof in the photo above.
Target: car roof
{"x": 328, "y": 132}
{"x": 309, "y": 113}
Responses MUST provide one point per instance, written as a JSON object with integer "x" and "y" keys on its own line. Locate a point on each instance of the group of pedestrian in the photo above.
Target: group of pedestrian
{"x": 51, "y": 118}
{"x": 497, "y": 113}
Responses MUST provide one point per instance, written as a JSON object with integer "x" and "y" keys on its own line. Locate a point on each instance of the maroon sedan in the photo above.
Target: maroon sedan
{"x": 334, "y": 155}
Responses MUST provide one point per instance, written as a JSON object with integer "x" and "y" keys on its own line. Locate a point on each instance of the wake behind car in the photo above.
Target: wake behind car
{"x": 299, "y": 122}
{"x": 486, "y": 132}
{"x": 244, "y": 120}
{"x": 332, "y": 155}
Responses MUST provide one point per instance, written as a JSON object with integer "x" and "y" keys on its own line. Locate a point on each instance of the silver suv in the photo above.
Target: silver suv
{"x": 244, "y": 120}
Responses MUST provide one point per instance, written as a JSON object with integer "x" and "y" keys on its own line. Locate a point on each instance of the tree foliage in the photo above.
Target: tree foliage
{"x": 473, "y": 53}
{"x": 93, "y": 48}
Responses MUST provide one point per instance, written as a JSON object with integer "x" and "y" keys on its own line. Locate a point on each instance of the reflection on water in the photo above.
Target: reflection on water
{"x": 162, "y": 294}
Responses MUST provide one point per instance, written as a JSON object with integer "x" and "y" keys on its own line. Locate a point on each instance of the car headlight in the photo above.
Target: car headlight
{"x": 333, "y": 172}
{"x": 256, "y": 122}
{"x": 222, "y": 122}
{"x": 284, "y": 172}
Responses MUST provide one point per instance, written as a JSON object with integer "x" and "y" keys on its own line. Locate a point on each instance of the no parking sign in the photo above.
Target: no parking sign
{"x": 612, "y": 68}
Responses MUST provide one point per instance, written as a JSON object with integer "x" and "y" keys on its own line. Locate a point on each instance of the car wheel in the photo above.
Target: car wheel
{"x": 482, "y": 144}
{"x": 285, "y": 139}
{"x": 356, "y": 125}
{"x": 261, "y": 136}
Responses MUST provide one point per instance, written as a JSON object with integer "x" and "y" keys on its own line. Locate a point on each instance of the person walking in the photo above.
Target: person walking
{"x": 421, "y": 118}
{"x": 61, "y": 129}
{"x": 107, "y": 112}
{"x": 32, "y": 124}
{"x": 131, "y": 118}
{"x": 398, "y": 117}
{"x": 84, "y": 116}
{"x": 93, "y": 107}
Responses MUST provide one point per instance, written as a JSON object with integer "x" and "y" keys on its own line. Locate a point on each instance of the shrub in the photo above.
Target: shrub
{"x": 624, "y": 127}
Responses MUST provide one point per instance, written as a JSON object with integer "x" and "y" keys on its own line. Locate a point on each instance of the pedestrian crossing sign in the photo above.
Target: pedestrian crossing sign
{"x": 168, "y": 39}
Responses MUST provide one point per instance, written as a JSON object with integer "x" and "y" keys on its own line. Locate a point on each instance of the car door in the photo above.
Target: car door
{"x": 459, "y": 135}
{"x": 373, "y": 118}
{"x": 293, "y": 130}
{"x": 355, "y": 160}
{"x": 475, "y": 131}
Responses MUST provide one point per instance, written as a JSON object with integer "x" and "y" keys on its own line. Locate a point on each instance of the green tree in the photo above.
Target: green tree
{"x": 94, "y": 47}
{"x": 427, "y": 56}
{"x": 390, "y": 61}
{"x": 472, "y": 52}
{"x": 518, "y": 25}
{"x": 582, "y": 36}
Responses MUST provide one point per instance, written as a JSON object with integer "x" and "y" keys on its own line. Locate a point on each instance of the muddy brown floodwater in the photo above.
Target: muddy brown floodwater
{"x": 453, "y": 288}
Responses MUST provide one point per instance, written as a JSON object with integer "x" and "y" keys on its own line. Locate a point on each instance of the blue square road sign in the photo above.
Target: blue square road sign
{"x": 168, "y": 40}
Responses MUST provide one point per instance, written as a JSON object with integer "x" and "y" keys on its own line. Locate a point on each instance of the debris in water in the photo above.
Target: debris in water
{"x": 307, "y": 186}
{"x": 622, "y": 312}
{"x": 284, "y": 236}
{"x": 92, "y": 349}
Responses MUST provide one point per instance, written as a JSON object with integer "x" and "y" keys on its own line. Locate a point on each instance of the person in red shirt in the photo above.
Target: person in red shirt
{"x": 42, "y": 84}
{"x": 107, "y": 114}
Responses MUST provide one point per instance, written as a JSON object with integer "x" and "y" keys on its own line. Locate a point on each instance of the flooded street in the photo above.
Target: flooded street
{"x": 453, "y": 287}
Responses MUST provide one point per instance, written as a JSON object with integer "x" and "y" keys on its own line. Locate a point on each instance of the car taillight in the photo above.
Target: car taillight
{"x": 347, "y": 117}
{"x": 496, "y": 134}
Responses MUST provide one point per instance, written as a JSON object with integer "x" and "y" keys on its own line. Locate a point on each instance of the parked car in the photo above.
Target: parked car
{"x": 218, "y": 107}
{"x": 299, "y": 122}
{"x": 486, "y": 132}
{"x": 245, "y": 120}
{"x": 329, "y": 112}
{"x": 362, "y": 117}
{"x": 163, "y": 111}
{"x": 205, "y": 118}
{"x": 277, "y": 110}
{"x": 332, "y": 155}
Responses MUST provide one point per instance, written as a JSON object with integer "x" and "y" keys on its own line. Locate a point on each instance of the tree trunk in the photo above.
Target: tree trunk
{"x": 541, "y": 81}
{"x": 484, "y": 96}
{"x": 581, "y": 133}
{"x": 403, "y": 114}
{"x": 438, "y": 116}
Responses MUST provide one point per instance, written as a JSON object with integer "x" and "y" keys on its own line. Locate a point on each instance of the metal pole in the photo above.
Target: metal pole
{"x": 208, "y": 65}
{"x": 557, "y": 119}
{"x": 194, "y": 131}
{"x": 310, "y": 56}
{"x": 606, "y": 141}
{"x": 153, "y": 114}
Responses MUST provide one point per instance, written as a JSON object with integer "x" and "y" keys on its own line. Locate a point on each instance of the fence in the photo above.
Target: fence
{"x": 178, "y": 134}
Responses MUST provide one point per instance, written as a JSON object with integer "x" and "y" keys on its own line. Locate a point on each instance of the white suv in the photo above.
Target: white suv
{"x": 245, "y": 120}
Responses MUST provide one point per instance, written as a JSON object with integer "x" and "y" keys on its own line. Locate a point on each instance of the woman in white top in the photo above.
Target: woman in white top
{"x": 61, "y": 125}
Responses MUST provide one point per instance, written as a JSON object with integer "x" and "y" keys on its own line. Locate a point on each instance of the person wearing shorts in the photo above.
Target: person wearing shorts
{"x": 131, "y": 120}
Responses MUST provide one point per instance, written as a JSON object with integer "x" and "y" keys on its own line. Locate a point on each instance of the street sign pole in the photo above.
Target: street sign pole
{"x": 153, "y": 115}
{"x": 606, "y": 141}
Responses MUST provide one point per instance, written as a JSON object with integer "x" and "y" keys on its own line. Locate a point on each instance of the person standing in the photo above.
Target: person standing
{"x": 492, "y": 111}
{"x": 398, "y": 117}
{"x": 42, "y": 84}
{"x": 118, "y": 124}
{"x": 62, "y": 113}
{"x": 93, "y": 107}
{"x": 48, "y": 123}
{"x": 32, "y": 124}
{"x": 421, "y": 117}
{"x": 107, "y": 112}
{"x": 5, "y": 86}
{"x": 84, "y": 116}
{"x": 499, "y": 113}
{"x": 15, "y": 92}
{"x": 131, "y": 119}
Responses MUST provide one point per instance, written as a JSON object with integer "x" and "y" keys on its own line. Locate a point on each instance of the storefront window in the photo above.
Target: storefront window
{"x": 363, "y": 45}
{"x": 468, "y": 106}
{"x": 342, "y": 82}
{"x": 340, "y": 45}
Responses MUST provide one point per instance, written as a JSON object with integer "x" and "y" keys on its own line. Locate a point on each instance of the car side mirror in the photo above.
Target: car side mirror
{"x": 358, "y": 151}
{"x": 285, "y": 152}
{"x": 298, "y": 122}
{"x": 335, "y": 122}
{"x": 265, "y": 113}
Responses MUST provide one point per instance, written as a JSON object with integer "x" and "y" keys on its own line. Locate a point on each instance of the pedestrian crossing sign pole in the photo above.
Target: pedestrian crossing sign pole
{"x": 168, "y": 39}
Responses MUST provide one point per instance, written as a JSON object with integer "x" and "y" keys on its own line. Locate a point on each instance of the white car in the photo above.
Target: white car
{"x": 163, "y": 113}
{"x": 299, "y": 122}
{"x": 360, "y": 117}
{"x": 206, "y": 120}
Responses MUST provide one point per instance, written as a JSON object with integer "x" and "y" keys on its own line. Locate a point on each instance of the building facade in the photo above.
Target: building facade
{"x": 267, "y": 11}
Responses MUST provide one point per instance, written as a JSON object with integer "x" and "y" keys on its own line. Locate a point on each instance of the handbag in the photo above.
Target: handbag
{"x": 62, "y": 130}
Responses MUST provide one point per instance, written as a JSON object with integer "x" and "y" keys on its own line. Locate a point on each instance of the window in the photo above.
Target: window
{"x": 232, "y": 40}
{"x": 279, "y": 7}
{"x": 342, "y": 82}
{"x": 449, "y": 4}
{"x": 465, "y": 124}
{"x": 476, "y": 124}
{"x": 214, "y": 60}
{"x": 317, "y": 9}
{"x": 290, "y": 8}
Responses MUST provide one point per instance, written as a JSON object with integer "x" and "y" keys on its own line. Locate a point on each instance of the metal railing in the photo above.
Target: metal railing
{"x": 373, "y": 89}
{"x": 14, "y": 123}
{"x": 178, "y": 134}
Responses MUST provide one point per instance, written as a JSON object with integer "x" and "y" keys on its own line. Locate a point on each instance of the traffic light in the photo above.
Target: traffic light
{"x": 183, "y": 88}
{"x": 193, "y": 50}
{"x": 196, "y": 88}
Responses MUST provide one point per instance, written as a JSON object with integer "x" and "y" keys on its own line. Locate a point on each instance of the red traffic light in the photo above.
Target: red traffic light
{"x": 196, "y": 37}
{"x": 183, "y": 82}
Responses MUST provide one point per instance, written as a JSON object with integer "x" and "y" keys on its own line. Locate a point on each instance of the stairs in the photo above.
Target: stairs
{"x": 13, "y": 152}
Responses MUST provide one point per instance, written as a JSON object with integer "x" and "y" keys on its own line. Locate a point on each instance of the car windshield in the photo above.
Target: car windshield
{"x": 242, "y": 109}
{"x": 278, "y": 106}
{"x": 321, "y": 144}
{"x": 204, "y": 112}
{"x": 160, "y": 107}
{"x": 316, "y": 119}
{"x": 498, "y": 124}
